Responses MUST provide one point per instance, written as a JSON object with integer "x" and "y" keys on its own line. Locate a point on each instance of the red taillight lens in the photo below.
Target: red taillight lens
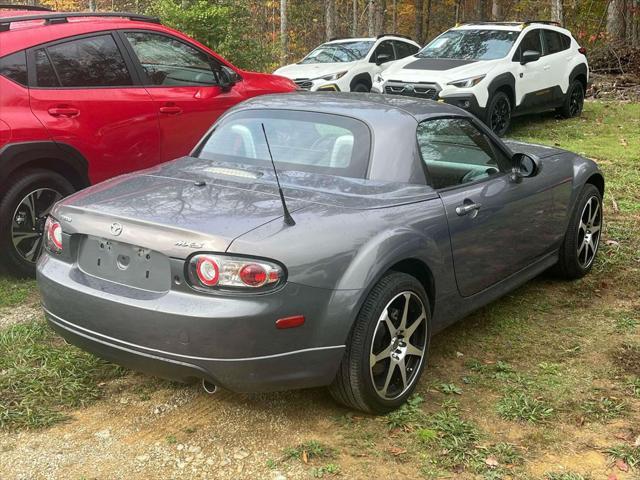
{"x": 53, "y": 232}
{"x": 208, "y": 271}
{"x": 582, "y": 50}
{"x": 220, "y": 272}
{"x": 253, "y": 275}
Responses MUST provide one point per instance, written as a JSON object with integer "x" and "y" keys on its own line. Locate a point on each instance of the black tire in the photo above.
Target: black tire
{"x": 574, "y": 101}
{"x": 50, "y": 184}
{"x": 498, "y": 114}
{"x": 354, "y": 383}
{"x": 361, "y": 88}
{"x": 572, "y": 262}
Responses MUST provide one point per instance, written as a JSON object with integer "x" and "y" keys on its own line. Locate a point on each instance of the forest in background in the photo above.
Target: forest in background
{"x": 263, "y": 34}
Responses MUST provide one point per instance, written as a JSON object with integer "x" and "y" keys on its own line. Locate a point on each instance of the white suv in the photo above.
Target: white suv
{"x": 496, "y": 71}
{"x": 348, "y": 64}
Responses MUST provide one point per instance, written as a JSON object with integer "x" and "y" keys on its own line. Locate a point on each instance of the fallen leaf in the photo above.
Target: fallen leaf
{"x": 622, "y": 466}
{"x": 637, "y": 443}
{"x": 492, "y": 462}
{"x": 623, "y": 142}
{"x": 305, "y": 456}
{"x": 613, "y": 476}
{"x": 395, "y": 451}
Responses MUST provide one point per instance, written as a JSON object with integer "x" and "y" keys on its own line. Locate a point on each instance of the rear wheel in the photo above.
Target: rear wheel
{"x": 498, "y": 116}
{"x": 360, "y": 87}
{"x": 582, "y": 239}
{"x": 574, "y": 100}
{"x": 387, "y": 348}
{"x": 23, "y": 213}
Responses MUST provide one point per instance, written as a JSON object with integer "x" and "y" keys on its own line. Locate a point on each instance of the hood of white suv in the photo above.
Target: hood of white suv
{"x": 437, "y": 70}
{"x": 312, "y": 70}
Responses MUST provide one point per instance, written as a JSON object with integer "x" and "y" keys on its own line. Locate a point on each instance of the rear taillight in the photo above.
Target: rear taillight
{"x": 53, "y": 235}
{"x": 225, "y": 272}
{"x": 582, "y": 50}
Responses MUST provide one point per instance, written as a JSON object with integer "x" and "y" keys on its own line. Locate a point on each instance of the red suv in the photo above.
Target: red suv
{"x": 86, "y": 96}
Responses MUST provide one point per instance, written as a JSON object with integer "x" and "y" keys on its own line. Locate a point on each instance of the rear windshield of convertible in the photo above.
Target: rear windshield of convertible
{"x": 300, "y": 141}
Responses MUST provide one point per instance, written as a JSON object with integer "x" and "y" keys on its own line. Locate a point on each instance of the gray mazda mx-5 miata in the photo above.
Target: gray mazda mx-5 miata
{"x": 398, "y": 216}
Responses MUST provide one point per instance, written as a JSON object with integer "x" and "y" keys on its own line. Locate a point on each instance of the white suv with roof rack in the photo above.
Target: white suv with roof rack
{"x": 496, "y": 70}
{"x": 348, "y": 64}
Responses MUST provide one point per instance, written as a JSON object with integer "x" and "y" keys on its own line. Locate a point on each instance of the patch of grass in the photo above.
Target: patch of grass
{"x": 634, "y": 386}
{"x": 40, "y": 376}
{"x": 329, "y": 469}
{"x": 310, "y": 450}
{"x": 522, "y": 407}
{"x": 171, "y": 439}
{"x": 457, "y": 437}
{"x": 627, "y": 358}
{"x": 14, "y": 292}
{"x": 506, "y": 453}
{"x": 625, "y": 323}
{"x": 565, "y": 476}
{"x": 407, "y": 415}
{"x": 627, "y": 453}
{"x": 603, "y": 409}
{"x": 450, "y": 389}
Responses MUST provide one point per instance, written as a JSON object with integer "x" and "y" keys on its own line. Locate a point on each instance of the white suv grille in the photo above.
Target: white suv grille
{"x": 420, "y": 90}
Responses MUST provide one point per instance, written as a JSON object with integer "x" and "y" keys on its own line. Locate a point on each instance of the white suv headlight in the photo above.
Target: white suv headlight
{"x": 332, "y": 76}
{"x": 467, "y": 82}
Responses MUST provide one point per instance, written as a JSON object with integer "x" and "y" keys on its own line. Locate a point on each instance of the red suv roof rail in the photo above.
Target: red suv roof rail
{"x": 31, "y": 8}
{"x": 62, "y": 17}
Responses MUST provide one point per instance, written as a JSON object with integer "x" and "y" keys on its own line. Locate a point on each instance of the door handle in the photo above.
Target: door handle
{"x": 547, "y": 67}
{"x": 64, "y": 112}
{"x": 467, "y": 208}
{"x": 170, "y": 109}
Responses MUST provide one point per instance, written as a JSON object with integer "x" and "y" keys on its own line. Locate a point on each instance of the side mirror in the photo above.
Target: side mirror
{"x": 529, "y": 56}
{"x": 524, "y": 166}
{"x": 227, "y": 78}
{"x": 382, "y": 58}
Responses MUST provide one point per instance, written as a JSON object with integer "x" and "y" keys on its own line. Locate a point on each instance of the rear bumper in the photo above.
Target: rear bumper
{"x": 231, "y": 342}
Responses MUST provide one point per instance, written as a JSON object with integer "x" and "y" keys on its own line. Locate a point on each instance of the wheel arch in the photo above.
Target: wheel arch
{"x": 506, "y": 83}
{"x": 56, "y": 157}
{"x": 364, "y": 77}
{"x": 580, "y": 73}
{"x": 421, "y": 272}
{"x": 598, "y": 181}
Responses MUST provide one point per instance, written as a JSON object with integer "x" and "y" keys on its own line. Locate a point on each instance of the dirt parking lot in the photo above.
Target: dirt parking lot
{"x": 543, "y": 384}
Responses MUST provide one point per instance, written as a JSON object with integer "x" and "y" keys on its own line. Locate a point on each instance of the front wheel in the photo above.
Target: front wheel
{"x": 498, "y": 116}
{"x": 582, "y": 238}
{"x": 387, "y": 348}
{"x": 23, "y": 212}
{"x": 361, "y": 88}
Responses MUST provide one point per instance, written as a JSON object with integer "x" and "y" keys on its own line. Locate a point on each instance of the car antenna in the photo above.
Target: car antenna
{"x": 288, "y": 219}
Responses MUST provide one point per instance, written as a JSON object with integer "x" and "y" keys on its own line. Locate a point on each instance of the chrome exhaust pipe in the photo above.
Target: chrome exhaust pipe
{"x": 209, "y": 387}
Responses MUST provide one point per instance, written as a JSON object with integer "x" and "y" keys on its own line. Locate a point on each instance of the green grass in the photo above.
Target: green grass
{"x": 41, "y": 376}
{"x": 13, "y": 292}
{"x": 521, "y": 407}
{"x": 603, "y": 409}
{"x": 565, "y": 476}
{"x": 627, "y": 453}
{"x": 309, "y": 450}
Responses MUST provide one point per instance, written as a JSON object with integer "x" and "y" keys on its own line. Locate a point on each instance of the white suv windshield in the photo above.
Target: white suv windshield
{"x": 339, "y": 52}
{"x": 470, "y": 45}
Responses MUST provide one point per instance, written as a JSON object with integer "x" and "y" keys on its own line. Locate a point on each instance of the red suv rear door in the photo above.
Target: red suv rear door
{"x": 86, "y": 92}
{"x": 183, "y": 81}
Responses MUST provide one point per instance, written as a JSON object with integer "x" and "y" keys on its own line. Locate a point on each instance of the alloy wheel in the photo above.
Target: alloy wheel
{"x": 27, "y": 225}
{"x": 500, "y": 116}
{"x": 399, "y": 345}
{"x": 589, "y": 232}
{"x": 576, "y": 102}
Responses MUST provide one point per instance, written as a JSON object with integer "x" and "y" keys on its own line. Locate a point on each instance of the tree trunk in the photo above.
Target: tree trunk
{"x": 496, "y": 10}
{"x": 481, "y": 8}
{"x": 557, "y": 11}
{"x": 92, "y": 5}
{"x": 394, "y": 21}
{"x": 354, "y": 24}
{"x": 371, "y": 12}
{"x": 426, "y": 32}
{"x": 329, "y": 18}
{"x": 284, "y": 40}
{"x": 615, "y": 21}
{"x": 418, "y": 27}
{"x": 380, "y": 16}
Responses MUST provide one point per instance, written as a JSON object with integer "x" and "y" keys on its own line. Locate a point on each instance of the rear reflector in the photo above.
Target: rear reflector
{"x": 290, "y": 322}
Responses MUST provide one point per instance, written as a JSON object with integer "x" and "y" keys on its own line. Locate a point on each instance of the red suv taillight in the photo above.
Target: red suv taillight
{"x": 225, "y": 272}
{"x": 53, "y": 235}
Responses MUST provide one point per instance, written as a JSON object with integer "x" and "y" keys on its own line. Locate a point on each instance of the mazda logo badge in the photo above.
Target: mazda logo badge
{"x": 116, "y": 229}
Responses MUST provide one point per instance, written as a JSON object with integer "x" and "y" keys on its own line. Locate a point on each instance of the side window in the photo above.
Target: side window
{"x": 553, "y": 42}
{"x": 566, "y": 41}
{"x": 531, "y": 41}
{"x": 404, "y": 49}
{"x": 89, "y": 62}
{"x": 385, "y": 48}
{"x": 45, "y": 75}
{"x": 168, "y": 61}
{"x": 455, "y": 152}
{"x": 14, "y": 67}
